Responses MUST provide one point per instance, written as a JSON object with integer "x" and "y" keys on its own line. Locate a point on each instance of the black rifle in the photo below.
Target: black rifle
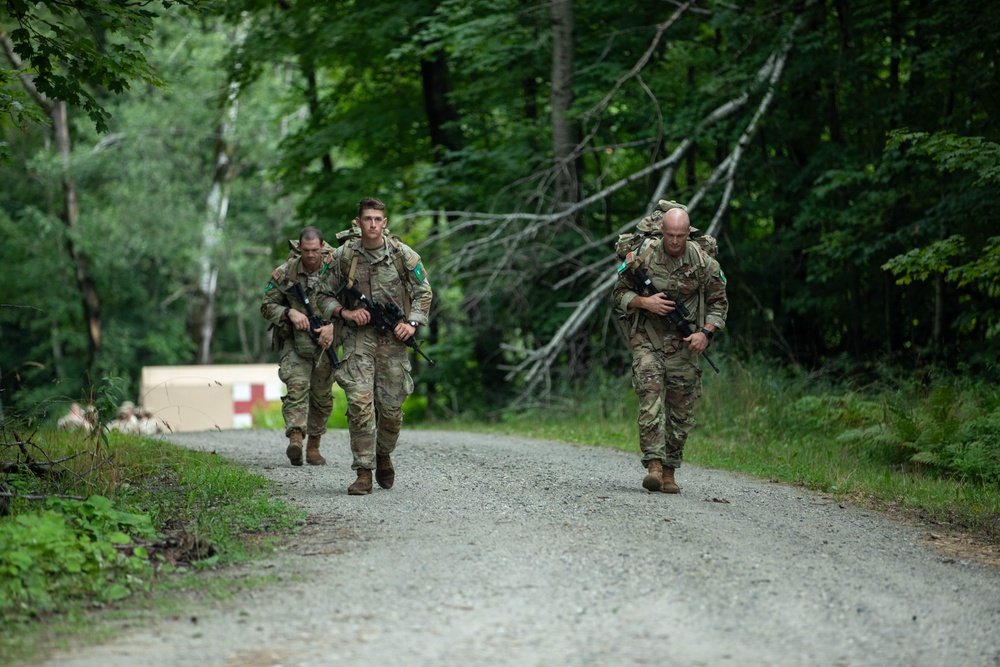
{"x": 315, "y": 321}
{"x": 384, "y": 317}
{"x": 677, "y": 319}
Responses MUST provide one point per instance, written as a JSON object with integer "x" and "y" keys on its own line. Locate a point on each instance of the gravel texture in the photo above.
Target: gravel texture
{"x": 495, "y": 550}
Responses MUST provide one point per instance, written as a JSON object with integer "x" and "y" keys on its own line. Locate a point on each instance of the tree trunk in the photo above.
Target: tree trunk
{"x": 445, "y": 136}
{"x": 71, "y": 217}
{"x": 937, "y": 332}
{"x": 563, "y": 139}
{"x": 312, "y": 99}
{"x": 442, "y": 119}
{"x": 835, "y": 86}
{"x": 887, "y": 310}
{"x": 201, "y": 318}
{"x": 56, "y": 110}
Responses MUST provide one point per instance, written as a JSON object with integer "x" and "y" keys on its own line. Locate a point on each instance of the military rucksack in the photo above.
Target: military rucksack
{"x": 633, "y": 247}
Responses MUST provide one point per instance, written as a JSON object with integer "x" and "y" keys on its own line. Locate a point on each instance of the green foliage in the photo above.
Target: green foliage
{"x": 920, "y": 264}
{"x": 955, "y": 434}
{"x": 75, "y": 49}
{"x": 72, "y": 554}
{"x": 973, "y": 267}
{"x": 951, "y": 152}
{"x": 74, "y": 549}
{"x": 142, "y": 192}
{"x": 859, "y": 217}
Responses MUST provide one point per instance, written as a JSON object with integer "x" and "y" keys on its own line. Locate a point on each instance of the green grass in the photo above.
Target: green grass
{"x": 228, "y": 513}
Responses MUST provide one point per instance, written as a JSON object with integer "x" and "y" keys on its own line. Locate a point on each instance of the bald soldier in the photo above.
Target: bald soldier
{"x": 665, "y": 372}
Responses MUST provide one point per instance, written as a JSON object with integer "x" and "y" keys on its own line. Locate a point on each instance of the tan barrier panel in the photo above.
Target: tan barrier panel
{"x": 203, "y": 398}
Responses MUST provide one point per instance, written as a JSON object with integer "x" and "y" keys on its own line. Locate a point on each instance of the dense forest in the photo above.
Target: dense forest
{"x": 156, "y": 157}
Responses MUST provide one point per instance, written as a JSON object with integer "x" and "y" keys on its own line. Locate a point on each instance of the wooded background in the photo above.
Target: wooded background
{"x": 155, "y": 157}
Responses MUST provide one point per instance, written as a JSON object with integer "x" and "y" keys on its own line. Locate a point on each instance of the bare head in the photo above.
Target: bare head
{"x": 676, "y": 227}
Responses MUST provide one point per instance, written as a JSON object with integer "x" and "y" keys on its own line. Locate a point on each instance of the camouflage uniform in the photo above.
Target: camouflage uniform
{"x": 665, "y": 373}
{"x": 125, "y": 420}
{"x": 304, "y": 368}
{"x": 375, "y": 368}
{"x": 74, "y": 419}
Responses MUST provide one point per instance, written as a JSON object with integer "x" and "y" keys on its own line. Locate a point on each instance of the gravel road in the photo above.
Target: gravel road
{"x": 496, "y": 550}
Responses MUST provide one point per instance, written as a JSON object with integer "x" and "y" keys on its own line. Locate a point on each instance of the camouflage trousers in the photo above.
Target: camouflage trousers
{"x": 308, "y": 401}
{"x": 375, "y": 376}
{"x": 667, "y": 383}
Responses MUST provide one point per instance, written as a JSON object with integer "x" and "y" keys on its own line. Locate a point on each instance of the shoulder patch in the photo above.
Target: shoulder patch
{"x": 627, "y": 262}
{"x": 276, "y": 275}
{"x": 418, "y": 271}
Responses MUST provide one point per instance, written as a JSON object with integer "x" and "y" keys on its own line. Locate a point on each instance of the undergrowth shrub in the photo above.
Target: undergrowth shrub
{"x": 951, "y": 432}
{"x": 72, "y": 549}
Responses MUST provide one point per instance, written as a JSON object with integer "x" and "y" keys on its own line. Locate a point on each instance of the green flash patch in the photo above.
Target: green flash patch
{"x": 270, "y": 286}
{"x": 629, "y": 258}
{"x": 418, "y": 271}
{"x": 722, "y": 276}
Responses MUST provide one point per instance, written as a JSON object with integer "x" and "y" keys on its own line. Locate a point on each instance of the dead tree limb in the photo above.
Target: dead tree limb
{"x": 513, "y": 247}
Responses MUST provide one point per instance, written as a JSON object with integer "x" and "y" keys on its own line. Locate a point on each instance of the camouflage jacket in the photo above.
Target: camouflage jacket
{"x": 392, "y": 273}
{"x": 278, "y": 299}
{"x": 377, "y": 276}
{"x": 695, "y": 279}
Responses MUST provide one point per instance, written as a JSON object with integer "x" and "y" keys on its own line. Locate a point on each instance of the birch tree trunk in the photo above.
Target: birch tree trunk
{"x": 201, "y": 319}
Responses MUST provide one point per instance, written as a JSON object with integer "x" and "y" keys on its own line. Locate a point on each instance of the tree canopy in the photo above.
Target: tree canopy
{"x": 845, "y": 154}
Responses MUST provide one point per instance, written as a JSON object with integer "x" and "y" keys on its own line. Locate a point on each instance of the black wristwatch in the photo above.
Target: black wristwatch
{"x": 414, "y": 324}
{"x": 708, "y": 334}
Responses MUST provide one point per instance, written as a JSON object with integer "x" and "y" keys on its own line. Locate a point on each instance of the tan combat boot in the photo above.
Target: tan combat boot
{"x": 669, "y": 485}
{"x": 362, "y": 485}
{"x": 385, "y": 474}
{"x": 313, "y": 457}
{"x": 294, "y": 451}
{"x": 653, "y": 480}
